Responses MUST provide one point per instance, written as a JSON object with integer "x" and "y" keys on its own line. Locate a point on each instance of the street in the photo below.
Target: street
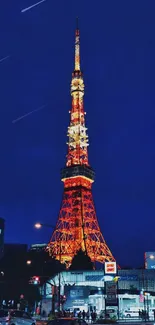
{"x": 123, "y": 322}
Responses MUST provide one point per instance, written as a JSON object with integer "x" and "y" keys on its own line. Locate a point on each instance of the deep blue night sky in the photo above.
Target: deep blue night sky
{"x": 118, "y": 60}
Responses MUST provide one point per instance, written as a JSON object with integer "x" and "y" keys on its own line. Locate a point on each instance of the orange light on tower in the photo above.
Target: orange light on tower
{"x": 77, "y": 226}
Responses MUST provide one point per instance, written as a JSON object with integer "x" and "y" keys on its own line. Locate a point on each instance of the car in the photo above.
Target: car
{"x": 67, "y": 321}
{"x": 4, "y": 316}
{"x": 131, "y": 313}
{"x": 15, "y": 317}
{"x": 111, "y": 313}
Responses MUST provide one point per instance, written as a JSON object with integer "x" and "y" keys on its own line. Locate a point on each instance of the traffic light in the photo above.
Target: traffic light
{"x": 35, "y": 280}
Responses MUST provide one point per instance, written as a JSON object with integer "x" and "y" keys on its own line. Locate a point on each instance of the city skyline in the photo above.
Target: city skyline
{"x": 119, "y": 69}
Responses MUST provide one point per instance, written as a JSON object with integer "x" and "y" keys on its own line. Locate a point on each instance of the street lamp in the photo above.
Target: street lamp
{"x": 151, "y": 256}
{"x": 28, "y": 262}
{"x": 39, "y": 225}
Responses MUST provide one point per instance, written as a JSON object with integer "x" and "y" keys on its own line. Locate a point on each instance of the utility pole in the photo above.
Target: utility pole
{"x": 39, "y": 225}
{"x": 59, "y": 291}
{"x": 59, "y": 276}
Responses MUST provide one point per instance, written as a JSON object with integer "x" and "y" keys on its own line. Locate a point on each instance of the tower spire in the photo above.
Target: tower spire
{"x": 77, "y": 46}
{"x": 77, "y": 22}
{"x": 77, "y": 132}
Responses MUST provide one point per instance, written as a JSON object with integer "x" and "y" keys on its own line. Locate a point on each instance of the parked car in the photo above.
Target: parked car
{"x": 131, "y": 313}
{"x": 15, "y": 317}
{"x": 67, "y": 321}
{"x": 111, "y": 313}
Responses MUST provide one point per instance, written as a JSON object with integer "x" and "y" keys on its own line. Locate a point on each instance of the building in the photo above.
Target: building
{"x": 2, "y": 227}
{"x": 13, "y": 263}
{"x": 15, "y": 249}
{"x": 86, "y": 290}
{"x": 38, "y": 247}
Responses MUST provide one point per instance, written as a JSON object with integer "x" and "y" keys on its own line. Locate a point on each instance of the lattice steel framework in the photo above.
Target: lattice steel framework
{"x": 77, "y": 226}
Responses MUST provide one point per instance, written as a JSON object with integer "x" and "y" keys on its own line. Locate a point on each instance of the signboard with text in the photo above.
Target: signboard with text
{"x": 141, "y": 298}
{"x": 133, "y": 277}
{"x": 111, "y": 294}
{"x": 110, "y": 268}
{"x": 76, "y": 296}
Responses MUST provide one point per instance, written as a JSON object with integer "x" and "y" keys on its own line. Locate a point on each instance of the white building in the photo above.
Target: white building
{"x": 86, "y": 290}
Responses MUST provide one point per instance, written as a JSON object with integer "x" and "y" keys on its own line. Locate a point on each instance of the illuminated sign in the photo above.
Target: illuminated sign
{"x": 133, "y": 277}
{"x": 141, "y": 297}
{"x": 111, "y": 292}
{"x": 105, "y": 278}
{"x": 110, "y": 268}
{"x": 38, "y": 245}
{"x": 76, "y": 293}
{"x": 94, "y": 277}
{"x": 108, "y": 278}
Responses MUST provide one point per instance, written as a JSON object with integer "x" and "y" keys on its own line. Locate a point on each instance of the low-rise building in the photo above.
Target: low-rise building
{"x": 87, "y": 290}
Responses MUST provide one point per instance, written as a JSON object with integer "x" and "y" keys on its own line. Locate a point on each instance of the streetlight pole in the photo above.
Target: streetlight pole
{"x": 39, "y": 225}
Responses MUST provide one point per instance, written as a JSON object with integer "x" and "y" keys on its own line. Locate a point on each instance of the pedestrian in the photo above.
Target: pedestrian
{"x": 95, "y": 316}
{"x": 83, "y": 315}
{"x": 87, "y": 316}
{"x": 79, "y": 315}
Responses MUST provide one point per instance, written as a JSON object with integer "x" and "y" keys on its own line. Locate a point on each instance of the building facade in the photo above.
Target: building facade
{"x": 38, "y": 247}
{"x": 2, "y": 227}
{"x": 86, "y": 290}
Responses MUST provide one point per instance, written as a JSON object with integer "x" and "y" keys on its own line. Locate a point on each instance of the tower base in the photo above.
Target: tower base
{"x": 77, "y": 226}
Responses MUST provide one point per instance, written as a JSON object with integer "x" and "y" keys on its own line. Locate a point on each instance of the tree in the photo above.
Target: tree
{"x": 81, "y": 261}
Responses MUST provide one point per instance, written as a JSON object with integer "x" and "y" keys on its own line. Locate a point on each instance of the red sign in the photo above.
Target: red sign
{"x": 141, "y": 298}
{"x": 110, "y": 268}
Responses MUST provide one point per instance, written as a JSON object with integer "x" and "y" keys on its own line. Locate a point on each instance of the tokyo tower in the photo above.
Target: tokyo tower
{"x": 77, "y": 225}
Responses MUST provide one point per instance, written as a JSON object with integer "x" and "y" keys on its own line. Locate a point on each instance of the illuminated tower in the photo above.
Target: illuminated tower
{"x": 77, "y": 226}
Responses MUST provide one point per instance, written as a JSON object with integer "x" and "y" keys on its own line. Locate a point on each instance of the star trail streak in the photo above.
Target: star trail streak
{"x": 36, "y": 4}
{"x": 27, "y": 114}
{"x": 5, "y": 58}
